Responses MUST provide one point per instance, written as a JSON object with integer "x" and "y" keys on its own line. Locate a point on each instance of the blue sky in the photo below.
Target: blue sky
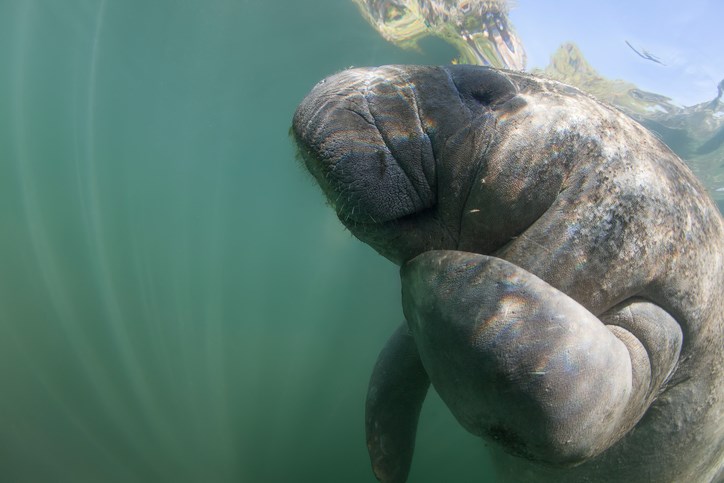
{"x": 684, "y": 35}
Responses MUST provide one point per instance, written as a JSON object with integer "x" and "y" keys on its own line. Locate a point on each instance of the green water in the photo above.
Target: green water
{"x": 177, "y": 304}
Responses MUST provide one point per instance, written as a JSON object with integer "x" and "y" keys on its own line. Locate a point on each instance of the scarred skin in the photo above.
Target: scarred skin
{"x": 562, "y": 272}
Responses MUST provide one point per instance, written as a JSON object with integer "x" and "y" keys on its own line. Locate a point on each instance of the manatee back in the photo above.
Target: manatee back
{"x": 630, "y": 219}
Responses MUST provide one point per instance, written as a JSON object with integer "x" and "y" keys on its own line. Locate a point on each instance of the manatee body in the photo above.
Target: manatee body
{"x": 562, "y": 272}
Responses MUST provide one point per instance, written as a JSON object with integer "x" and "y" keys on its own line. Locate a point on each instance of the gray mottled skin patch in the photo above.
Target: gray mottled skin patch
{"x": 562, "y": 272}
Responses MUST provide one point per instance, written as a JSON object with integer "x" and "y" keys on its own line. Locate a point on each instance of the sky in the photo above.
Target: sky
{"x": 686, "y": 36}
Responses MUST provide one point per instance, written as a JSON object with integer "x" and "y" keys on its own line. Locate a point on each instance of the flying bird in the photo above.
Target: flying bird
{"x": 645, "y": 54}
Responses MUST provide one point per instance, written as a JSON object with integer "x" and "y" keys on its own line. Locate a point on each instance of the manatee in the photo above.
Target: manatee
{"x": 562, "y": 272}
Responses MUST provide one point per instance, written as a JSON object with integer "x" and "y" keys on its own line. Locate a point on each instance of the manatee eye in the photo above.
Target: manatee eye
{"x": 485, "y": 97}
{"x": 482, "y": 85}
{"x": 492, "y": 92}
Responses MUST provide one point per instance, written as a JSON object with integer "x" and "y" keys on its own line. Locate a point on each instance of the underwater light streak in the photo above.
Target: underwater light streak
{"x": 135, "y": 375}
{"x": 45, "y": 260}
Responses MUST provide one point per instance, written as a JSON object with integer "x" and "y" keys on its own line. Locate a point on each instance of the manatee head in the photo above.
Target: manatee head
{"x": 397, "y": 149}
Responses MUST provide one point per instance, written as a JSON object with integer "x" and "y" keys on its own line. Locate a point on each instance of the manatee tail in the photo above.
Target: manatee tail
{"x": 397, "y": 388}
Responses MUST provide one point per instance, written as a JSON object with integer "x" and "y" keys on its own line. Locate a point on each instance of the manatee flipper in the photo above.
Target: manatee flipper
{"x": 653, "y": 339}
{"x": 397, "y": 389}
{"x": 519, "y": 362}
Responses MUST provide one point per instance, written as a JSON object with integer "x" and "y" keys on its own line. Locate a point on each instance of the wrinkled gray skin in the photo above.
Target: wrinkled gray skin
{"x": 562, "y": 272}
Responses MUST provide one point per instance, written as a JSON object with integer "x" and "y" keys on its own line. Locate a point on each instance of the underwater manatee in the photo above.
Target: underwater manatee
{"x": 562, "y": 272}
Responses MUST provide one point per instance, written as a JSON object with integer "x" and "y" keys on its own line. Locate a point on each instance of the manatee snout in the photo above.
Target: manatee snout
{"x": 395, "y": 149}
{"x": 359, "y": 133}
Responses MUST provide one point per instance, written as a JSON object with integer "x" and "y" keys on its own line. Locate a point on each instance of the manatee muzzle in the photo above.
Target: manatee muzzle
{"x": 360, "y": 134}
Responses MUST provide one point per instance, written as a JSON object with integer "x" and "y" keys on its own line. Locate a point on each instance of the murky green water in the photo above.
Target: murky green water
{"x": 176, "y": 302}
